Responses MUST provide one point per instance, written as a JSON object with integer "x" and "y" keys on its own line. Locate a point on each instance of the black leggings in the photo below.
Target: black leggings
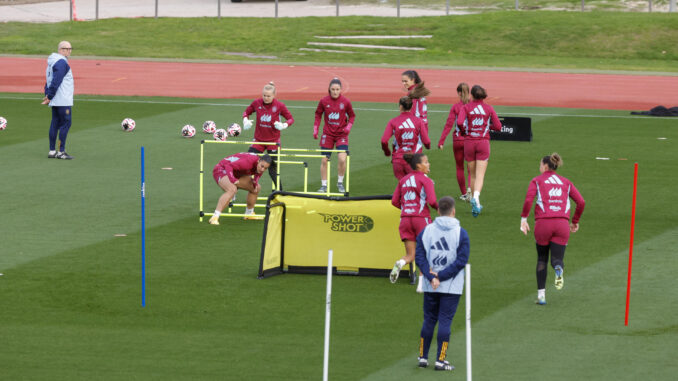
{"x": 557, "y": 256}
{"x": 273, "y": 168}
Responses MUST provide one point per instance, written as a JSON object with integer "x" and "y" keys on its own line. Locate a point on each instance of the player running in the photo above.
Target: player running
{"x": 409, "y": 136}
{"x": 415, "y": 88}
{"x": 476, "y": 118}
{"x": 239, "y": 171}
{"x": 411, "y": 195}
{"x": 551, "y": 218}
{"x": 339, "y": 118}
{"x": 268, "y": 124}
{"x": 458, "y": 139}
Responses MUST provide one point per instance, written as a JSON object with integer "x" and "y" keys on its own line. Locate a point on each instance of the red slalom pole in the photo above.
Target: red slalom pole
{"x": 633, "y": 223}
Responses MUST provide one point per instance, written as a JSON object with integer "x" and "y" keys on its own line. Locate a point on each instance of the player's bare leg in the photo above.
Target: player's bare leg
{"x": 410, "y": 247}
{"x": 247, "y": 184}
{"x": 229, "y": 191}
{"x": 341, "y": 171}
{"x": 480, "y": 169}
{"x": 323, "y": 175}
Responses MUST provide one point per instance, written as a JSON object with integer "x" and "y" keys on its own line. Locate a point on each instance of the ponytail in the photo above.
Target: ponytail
{"x": 462, "y": 89}
{"x": 270, "y": 87}
{"x": 553, "y": 161}
{"x": 406, "y": 102}
{"x": 413, "y": 159}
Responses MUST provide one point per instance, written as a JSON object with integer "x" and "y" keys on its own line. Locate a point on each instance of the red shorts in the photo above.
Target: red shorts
{"x": 476, "y": 149}
{"x": 218, "y": 172}
{"x": 556, "y": 230}
{"x": 400, "y": 168}
{"x": 329, "y": 141}
{"x": 410, "y": 227}
{"x": 260, "y": 148}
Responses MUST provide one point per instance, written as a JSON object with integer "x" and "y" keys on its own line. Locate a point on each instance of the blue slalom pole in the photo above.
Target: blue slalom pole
{"x": 143, "y": 232}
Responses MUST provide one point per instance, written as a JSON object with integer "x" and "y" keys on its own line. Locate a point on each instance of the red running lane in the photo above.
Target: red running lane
{"x": 309, "y": 83}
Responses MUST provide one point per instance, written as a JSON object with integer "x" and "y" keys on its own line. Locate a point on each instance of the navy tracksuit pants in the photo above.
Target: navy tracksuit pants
{"x": 61, "y": 123}
{"x": 438, "y": 308}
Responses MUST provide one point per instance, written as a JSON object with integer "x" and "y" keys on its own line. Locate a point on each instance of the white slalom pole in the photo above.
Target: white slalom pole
{"x": 467, "y": 273}
{"x": 328, "y": 305}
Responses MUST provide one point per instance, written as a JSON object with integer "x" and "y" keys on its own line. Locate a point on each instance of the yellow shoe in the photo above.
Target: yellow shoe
{"x": 252, "y": 216}
{"x": 214, "y": 220}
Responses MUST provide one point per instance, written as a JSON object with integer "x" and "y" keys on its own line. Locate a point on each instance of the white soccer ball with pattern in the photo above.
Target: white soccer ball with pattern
{"x": 3, "y": 123}
{"x": 234, "y": 129}
{"x": 209, "y": 127}
{"x": 128, "y": 124}
{"x": 220, "y": 135}
{"x": 188, "y": 131}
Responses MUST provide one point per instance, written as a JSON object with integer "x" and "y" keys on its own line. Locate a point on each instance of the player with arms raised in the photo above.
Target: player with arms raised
{"x": 411, "y": 195}
{"x": 239, "y": 171}
{"x": 339, "y": 117}
{"x": 409, "y": 137}
{"x": 476, "y": 118}
{"x": 551, "y": 219}
{"x": 268, "y": 124}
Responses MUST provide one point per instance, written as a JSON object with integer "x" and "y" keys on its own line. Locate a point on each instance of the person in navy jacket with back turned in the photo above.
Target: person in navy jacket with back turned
{"x": 59, "y": 96}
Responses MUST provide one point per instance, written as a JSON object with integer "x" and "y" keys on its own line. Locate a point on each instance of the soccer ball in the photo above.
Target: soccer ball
{"x": 220, "y": 135}
{"x": 209, "y": 127}
{"x": 3, "y": 123}
{"x": 234, "y": 129}
{"x": 128, "y": 124}
{"x": 188, "y": 131}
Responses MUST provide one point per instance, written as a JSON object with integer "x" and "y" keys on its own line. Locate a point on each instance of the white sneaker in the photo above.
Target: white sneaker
{"x": 340, "y": 188}
{"x": 444, "y": 365}
{"x": 214, "y": 220}
{"x": 423, "y": 363}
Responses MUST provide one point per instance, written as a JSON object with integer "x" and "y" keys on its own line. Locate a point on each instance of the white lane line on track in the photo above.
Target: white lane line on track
{"x": 355, "y": 108}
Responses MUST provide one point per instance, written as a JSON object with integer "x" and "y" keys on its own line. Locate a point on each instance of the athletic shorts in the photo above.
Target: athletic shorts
{"x": 476, "y": 149}
{"x": 218, "y": 172}
{"x": 556, "y": 230}
{"x": 260, "y": 148}
{"x": 400, "y": 168}
{"x": 410, "y": 227}
{"x": 329, "y": 142}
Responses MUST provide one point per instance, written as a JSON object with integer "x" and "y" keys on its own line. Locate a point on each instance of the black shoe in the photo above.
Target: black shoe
{"x": 64, "y": 155}
{"x": 51, "y": 155}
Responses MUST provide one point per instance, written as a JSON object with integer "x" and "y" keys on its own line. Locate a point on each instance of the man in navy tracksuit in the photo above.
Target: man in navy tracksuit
{"x": 59, "y": 96}
{"x": 442, "y": 252}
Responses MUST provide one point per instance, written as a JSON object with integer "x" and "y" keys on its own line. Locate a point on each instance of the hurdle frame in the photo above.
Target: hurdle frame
{"x": 318, "y": 153}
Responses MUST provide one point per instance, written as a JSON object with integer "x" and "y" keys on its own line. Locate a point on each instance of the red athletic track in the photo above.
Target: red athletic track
{"x": 203, "y": 80}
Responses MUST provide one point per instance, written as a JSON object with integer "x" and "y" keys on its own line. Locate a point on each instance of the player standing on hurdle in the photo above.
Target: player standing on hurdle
{"x": 411, "y": 195}
{"x": 409, "y": 136}
{"x": 476, "y": 118}
{"x": 268, "y": 124}
{"x": 415, "y": 88}
{"x": 551, "y": 219}
{"x": 339, "y": 118}
{"x": 442, "y": 252}
{"x": 458, "y": 139}
{"x": 239, "y": 171}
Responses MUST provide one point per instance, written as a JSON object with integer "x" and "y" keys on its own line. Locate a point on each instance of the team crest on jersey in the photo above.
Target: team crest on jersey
{"x": 275, "y": 108}
{"x": 341, "y": 106}
{"x": 348, "y": 223}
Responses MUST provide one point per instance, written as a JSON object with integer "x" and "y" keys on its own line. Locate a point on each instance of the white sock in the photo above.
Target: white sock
{"x": 249, "y": 211}
{"x": 401, "y": 263}
{"x": 476, "y": 196}
{"x": 541, "y": 293}
{"x": 323, "y": 183}
{"x": 217, "y": 213}
{"x": 340, "y": 179}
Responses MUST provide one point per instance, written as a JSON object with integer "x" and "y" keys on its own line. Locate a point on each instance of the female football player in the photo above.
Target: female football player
{"x": 552, "y": 226}
{"x": 268, "y": 124}
{"x": 339, "y": 118}
{"x": 408, "y": 134}
{"x": 411, "y": 195}
{"x": 458, "y": 139}
{"x": 476, "y": 118}
{"x": 239, "y": 171}
{"x": 415, "y": 88}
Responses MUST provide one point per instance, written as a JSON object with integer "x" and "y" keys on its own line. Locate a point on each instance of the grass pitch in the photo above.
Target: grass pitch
{"x": 70, "y": 293}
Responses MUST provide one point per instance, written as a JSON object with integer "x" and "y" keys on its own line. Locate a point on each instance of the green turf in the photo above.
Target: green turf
{"x": 545, "y": 40}
{"x": 70, "y": 293}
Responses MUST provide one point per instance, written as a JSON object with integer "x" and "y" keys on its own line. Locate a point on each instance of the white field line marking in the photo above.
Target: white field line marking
{"x": 326, "y": 50}
{"x": 373, "y": 37}
{"x": 355, "y": 108}
{"x": 364, "y": 46}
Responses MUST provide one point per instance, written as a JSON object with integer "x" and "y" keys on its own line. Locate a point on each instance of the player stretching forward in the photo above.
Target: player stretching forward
{"x": 476, "y": 118}
{"x": 268, "y": 125}
{"x": 551, "y": 217}
{"x": 411, "y": 195}
{"x": 442, "y": 252}
{"x": 415, "y": 88}
{"x": 408, "y": 133}
{"x": 339, "y": 118}
{"x": 239, "y": 171}
{"x": 458, "y": 139}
